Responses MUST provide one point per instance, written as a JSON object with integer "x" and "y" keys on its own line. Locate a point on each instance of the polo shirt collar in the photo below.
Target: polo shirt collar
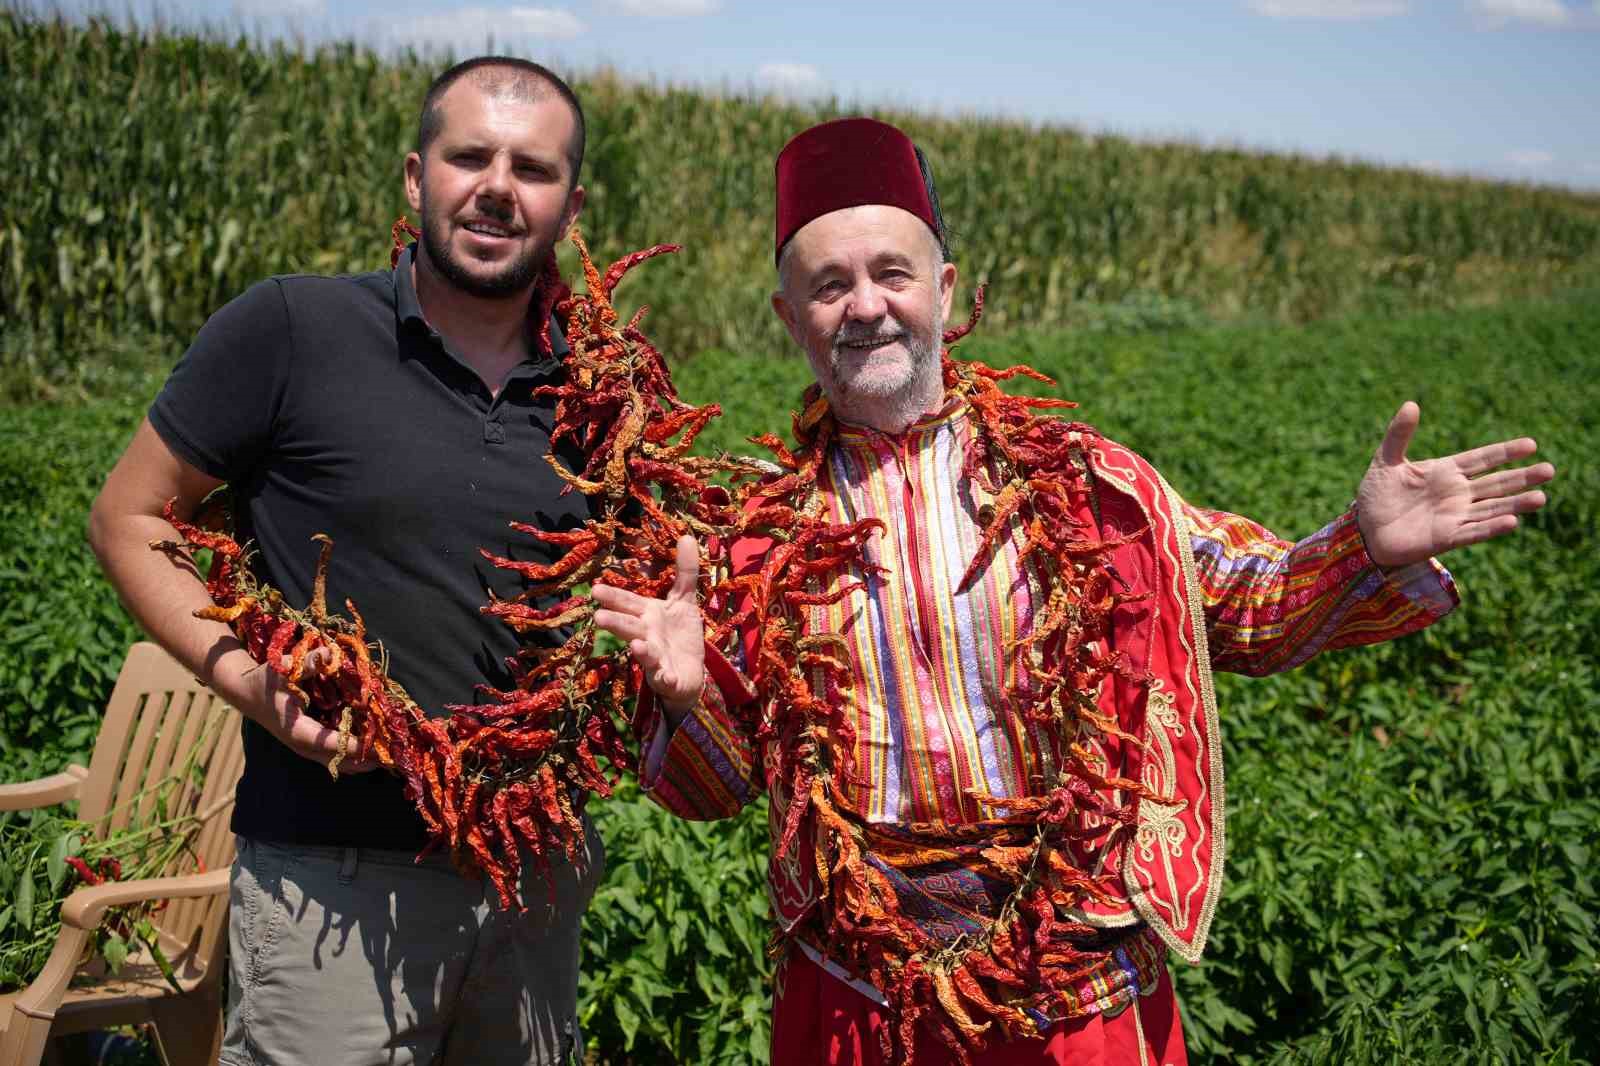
{"x": 408, "y": 309}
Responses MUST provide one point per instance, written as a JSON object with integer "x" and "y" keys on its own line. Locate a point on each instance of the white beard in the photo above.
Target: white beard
{"x": 874, "y": 396}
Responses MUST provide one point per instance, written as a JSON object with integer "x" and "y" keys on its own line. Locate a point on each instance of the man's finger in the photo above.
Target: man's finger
{"x": 615, "y": 599}
{"x": 1478, "y": 460}
{"x": 1526, "y": 503}
{"x": 1402, "y": 427}
{"x": 1506, "y": 482}
{"x": 311, "y": 664}
{"x": 623, "y": 626}
{"x": 1477, "y": 532}
{"x": 688, "y": 564}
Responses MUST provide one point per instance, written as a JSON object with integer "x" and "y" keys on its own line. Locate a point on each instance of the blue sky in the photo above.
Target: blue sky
{"x": 1498, "y": 88}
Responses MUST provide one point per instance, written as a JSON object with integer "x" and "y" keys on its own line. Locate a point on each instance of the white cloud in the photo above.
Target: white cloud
{"x": 285, "y": 8}
{"x": 666, "y": 8}
{"x": 470, "y": 30}
{"x": 1342, "y": 10}
{"x": 1496, "y": 13}
{"x": 793, "y": 79}
{"x": 1530, "y": 158}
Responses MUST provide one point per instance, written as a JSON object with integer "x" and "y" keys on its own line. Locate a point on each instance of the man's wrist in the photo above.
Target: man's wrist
{"x": 1366, "y": 541}
{"x": 677, "y": 710}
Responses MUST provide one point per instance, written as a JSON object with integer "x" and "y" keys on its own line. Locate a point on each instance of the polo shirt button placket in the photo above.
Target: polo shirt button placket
{"x": 494, "y": 430}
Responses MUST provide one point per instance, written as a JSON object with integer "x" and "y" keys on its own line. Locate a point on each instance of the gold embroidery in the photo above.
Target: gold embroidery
{"x": 1159, "y": 824}
{"x": 1212, "y": 776}
{"x": 1163, "y": 706}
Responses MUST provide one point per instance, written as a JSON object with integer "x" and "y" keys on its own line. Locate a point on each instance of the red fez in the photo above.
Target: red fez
{"x": 847, "y": 163}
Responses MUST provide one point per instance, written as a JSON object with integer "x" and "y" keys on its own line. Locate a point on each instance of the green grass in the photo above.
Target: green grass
{"x": 1412, "y": 827}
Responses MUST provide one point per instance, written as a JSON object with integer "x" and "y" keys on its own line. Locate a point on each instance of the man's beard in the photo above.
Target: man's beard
{"x": 512, "y": 280}
{"x": 896, "y": 394}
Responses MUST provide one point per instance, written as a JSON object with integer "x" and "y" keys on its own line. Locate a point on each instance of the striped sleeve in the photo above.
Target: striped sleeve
{"x": 1272, "y": 604}
{"x": 705, "y": 768}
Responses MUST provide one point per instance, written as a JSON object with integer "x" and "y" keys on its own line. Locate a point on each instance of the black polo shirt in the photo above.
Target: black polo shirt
{"x": 331, "y": 406}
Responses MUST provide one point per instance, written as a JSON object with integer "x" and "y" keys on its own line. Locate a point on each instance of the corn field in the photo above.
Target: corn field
{"x": 152, "y": 175}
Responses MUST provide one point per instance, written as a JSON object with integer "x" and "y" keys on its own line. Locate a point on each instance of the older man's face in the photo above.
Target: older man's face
{"x": 864, "y": 293}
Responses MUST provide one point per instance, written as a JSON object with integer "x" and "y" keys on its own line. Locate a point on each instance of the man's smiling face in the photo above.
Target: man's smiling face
{"x": 865, "y": 294}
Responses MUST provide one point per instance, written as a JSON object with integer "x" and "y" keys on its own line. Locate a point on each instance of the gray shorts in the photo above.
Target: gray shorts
{"x": 346, "y": 955}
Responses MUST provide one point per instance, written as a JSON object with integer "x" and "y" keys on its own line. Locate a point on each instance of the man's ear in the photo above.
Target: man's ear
{"x": 569, "y": 214}
{"x": 786, "y": 312}
{"x": 947, "y": 288}
{"x": 413, "y": 171}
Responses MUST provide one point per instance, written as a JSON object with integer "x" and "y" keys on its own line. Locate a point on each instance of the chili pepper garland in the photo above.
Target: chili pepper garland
{"x": 512, "y": 772}
{"x": 970, "y": 990}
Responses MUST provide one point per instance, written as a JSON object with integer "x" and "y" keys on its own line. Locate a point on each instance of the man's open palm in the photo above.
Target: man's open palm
{"x": 666, "y": 637}
{"x": 1410, "y": 510}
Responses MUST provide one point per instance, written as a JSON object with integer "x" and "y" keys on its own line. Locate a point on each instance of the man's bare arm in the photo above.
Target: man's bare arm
{"x": 163, "y": 593}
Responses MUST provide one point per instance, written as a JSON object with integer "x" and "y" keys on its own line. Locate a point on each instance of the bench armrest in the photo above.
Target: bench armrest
{"x": 85, "y": 908}
{"x": 44, "y": 791}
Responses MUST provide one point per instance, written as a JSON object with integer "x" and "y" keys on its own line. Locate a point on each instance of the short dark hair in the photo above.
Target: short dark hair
{"x": 526, "y": 77}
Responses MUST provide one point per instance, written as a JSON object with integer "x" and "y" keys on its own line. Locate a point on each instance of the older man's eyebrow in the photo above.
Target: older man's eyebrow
{"x": 823, "y": 269}
{"x": 893, "y": 258}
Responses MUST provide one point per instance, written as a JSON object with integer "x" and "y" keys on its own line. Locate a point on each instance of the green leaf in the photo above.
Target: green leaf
{"x": 1493, "y": 992}
{"x": 1514, "y": 883}
{"x": 628, "y": 1019}
{"x": 66, "y": 845}
{"x": 1319, "y": 981}
{"x": 24, "y": 902}
{"x": 5, "y": 918}
{"x": 115, "y": 950}
{"x": 1283, "y": 964}
{"x": 627, "y": 902}
{"x": 151, "y": 940}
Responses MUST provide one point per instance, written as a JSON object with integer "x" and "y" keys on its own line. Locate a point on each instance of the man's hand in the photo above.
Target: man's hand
{"x": 282, "y": 714}
{"x": 1409, "y": 511}
{"x": 666, "y": 637}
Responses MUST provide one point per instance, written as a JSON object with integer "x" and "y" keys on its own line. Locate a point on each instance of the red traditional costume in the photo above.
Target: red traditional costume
{"x": 1041, "y": 872}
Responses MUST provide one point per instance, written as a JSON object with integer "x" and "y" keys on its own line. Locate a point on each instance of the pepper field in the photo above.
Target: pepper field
{"x": 1413, "y": 829}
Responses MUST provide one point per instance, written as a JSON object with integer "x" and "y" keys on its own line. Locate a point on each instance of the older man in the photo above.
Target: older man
{"x": 1003, "y": 809}
{"x": 397, "y": 412}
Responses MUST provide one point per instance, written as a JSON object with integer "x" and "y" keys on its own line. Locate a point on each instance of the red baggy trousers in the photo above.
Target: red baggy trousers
{"x": 819, "y": 1019}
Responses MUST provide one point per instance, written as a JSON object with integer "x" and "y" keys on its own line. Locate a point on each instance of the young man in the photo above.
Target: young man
{"x": 393, "y": 411}
{"x": 993, "y": 829}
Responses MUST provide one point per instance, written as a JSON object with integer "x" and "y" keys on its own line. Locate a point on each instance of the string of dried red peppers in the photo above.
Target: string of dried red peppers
{"x": 964, "y": 992}
{"x": 513, "y": 771}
